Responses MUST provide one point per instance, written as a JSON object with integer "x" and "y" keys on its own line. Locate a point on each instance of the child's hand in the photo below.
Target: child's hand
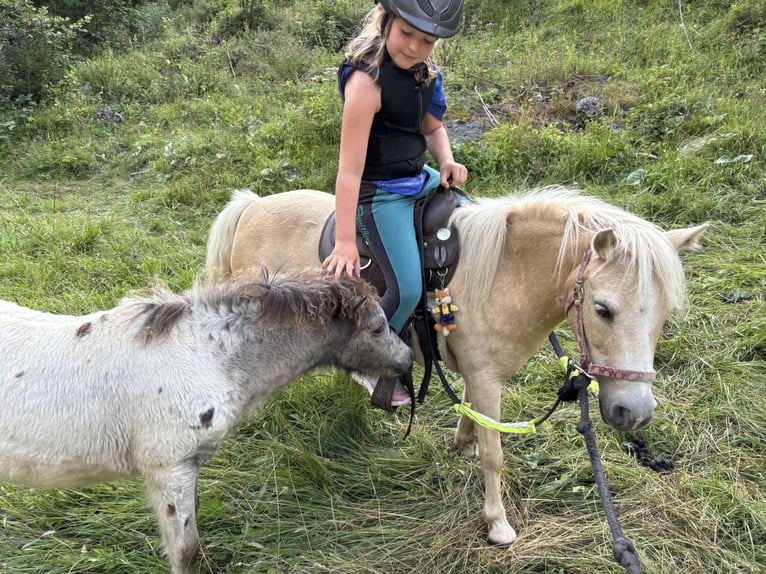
{"x": 344, "y": 257}
{"x": 452, "y": 174}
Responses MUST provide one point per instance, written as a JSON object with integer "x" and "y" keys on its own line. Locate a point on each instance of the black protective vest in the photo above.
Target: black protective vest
{"x": 397, "y": 146}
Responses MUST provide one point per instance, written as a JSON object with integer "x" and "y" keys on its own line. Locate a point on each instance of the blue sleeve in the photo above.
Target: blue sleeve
{"x": 343, "y": 73}
{"x": 438, "y": 105}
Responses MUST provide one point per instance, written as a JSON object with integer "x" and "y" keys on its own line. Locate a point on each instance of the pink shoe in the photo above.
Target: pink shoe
{"x": 399, "y": 395}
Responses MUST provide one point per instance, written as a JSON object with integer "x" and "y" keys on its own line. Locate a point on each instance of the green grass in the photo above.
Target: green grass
{"x": 317, "y": 481}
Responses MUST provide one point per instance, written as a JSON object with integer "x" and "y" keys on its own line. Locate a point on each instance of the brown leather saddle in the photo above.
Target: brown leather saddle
{"x": 439, "y": 242}
{"x": 440, "y": 253}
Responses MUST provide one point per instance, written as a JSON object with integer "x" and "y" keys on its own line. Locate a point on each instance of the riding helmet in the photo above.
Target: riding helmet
{"x": 440, "y": 18}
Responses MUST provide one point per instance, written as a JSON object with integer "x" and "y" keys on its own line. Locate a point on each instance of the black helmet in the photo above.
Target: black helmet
{"x": 439, "y": 18}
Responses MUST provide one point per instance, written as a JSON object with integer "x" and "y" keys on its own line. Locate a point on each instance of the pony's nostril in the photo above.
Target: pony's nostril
{"x": 625, "y": 419}
{"x": 622, "y": 417}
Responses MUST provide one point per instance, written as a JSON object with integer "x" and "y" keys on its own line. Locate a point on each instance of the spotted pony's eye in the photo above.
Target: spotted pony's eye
{"x": 602, "y": 311}
{"x": 381, "y": 328}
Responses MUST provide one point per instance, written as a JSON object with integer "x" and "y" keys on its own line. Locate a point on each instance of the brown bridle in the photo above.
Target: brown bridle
{"x": 576, "y": 298}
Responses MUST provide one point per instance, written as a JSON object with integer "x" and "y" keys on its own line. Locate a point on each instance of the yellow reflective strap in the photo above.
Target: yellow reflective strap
{"x": 490, "y": 423}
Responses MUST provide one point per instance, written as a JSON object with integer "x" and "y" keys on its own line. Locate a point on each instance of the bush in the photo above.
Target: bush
{"x": 330, "y": 24}
{"x": 113, "y": 23}
{"x": 36, "y": 49}
{"x": 246, "y": 15}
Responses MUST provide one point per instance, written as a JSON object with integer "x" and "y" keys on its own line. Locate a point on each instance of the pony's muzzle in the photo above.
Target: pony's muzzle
{"x": 404, "y": 366}
{"x": 626, "y": 407}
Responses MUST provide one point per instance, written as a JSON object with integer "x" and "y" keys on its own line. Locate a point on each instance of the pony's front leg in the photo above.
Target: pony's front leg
{"x": 173, "y": 493}
{"x": 486, "y": 400}
{"x": 499, "y": 531}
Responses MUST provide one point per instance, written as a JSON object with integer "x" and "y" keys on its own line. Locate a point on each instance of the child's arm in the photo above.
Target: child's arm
{"x": 451, "y": 172}
{"x": 362, "y": 101}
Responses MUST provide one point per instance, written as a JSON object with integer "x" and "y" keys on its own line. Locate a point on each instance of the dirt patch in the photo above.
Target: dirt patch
{"x": 466, "y": 131}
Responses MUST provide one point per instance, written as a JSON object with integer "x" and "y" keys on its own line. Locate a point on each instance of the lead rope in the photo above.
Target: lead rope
{"x": 623, "y": 550}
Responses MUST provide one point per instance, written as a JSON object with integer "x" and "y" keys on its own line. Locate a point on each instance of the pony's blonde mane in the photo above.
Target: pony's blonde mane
{"x": 483, "y": 231}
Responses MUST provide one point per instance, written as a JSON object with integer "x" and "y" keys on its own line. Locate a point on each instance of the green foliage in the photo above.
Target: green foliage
{"x": 181, "y": 69}
{"x": 328, "y": 24}
{"x": 547, "y": 155}
{"x": 746, "y": 17}
{"x": 36, "y": 49}
{"x": 113, "y": 23}
{"x": 244, "y": 16}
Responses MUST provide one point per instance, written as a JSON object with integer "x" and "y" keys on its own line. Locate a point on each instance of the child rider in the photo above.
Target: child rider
{"x": 393, "y": 106}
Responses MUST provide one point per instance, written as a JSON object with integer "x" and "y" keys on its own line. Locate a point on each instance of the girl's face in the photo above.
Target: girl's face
{"x": 407, "y": 45}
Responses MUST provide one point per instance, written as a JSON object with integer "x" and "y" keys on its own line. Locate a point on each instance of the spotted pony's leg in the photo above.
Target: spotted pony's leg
{"x": 173, "y": 493}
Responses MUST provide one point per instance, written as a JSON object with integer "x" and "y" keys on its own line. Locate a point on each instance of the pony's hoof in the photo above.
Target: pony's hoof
{"x": 501, "y": 535}
{"x": 467, "y": 452}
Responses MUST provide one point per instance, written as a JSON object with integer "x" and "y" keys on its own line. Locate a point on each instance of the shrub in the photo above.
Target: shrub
{"x": 247, "y": 15}
{"x": 113, "y": 23}
{"x": 36, "y": 48}
{"x": 330, "y": 24}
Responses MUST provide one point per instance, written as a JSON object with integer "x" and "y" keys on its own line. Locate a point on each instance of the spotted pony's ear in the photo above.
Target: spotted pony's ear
{"x": 604, "y": 243}
{"x": 686, "y": 239}
{"x": 357, "y": 301}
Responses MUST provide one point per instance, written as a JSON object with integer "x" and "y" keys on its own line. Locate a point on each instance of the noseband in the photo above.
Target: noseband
{"x": 576, "y": 298}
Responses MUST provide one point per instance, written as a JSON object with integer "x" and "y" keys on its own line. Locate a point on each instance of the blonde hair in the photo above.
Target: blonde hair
{"x": 368, "y": 47}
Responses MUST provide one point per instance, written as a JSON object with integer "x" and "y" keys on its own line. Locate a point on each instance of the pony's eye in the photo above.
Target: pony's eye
{"x": 380, "y": 329}
{"x": 602, "y": 311}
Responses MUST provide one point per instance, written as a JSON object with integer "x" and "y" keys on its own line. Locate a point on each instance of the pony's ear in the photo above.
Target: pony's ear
{"x": 356, "y": 302}
{"x": 686, "y": 239}
{"x": 603, "y": 243}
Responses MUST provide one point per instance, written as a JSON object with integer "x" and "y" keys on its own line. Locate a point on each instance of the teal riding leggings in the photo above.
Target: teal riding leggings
{"x": 386, "y": 221}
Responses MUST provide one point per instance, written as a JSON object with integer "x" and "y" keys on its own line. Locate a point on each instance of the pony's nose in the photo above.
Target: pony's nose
{"x": 405, "y": 365}
{"x": 626, "y": 419}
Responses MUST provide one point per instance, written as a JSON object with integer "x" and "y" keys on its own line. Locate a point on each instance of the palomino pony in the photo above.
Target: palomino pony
{"x": 152, "y": 387}
{"x": 528, "y": 261}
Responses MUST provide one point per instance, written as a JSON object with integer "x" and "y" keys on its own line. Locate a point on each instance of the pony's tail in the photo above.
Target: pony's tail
{"x": 221, "y": 236}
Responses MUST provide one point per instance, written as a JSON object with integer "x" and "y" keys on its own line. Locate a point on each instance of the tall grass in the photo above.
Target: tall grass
{"x": 316, "y": 481}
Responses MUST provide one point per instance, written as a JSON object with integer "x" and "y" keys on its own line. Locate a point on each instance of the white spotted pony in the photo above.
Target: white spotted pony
{"x": 151, "y": 387}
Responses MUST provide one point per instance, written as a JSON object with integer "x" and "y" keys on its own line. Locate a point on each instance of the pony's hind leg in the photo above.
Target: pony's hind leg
{"x": 173, "y": 493}
{"x": 465, "y": 437}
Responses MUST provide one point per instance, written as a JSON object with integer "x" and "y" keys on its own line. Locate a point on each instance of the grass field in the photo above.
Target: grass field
{"x": 94, "y": 205}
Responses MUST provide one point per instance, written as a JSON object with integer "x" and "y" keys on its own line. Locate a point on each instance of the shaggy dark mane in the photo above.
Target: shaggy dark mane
{"x": 307, "y": 297}
{"x": 158, "y": 312}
